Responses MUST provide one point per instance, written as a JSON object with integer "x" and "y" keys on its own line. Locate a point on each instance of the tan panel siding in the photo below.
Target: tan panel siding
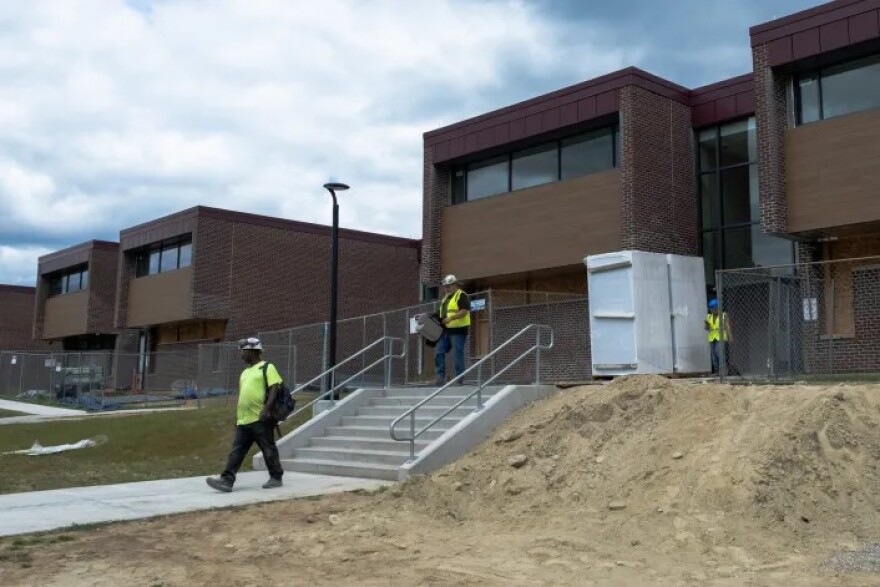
{"x": 833, "y": 172}
{"x": 554, "y": 225}
{"x": 156, "y": 299}
{"x": 66, "y": 315}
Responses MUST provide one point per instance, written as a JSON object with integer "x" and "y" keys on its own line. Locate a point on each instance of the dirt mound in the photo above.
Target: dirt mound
{"x": 696, "y": 461}
{"x": 639, "y": 483}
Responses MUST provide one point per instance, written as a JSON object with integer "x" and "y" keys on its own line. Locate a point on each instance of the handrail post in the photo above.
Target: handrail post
{"x": 388, "y": 346}
{"x": 412, "y": 435}
{"x": 537, "y": 356}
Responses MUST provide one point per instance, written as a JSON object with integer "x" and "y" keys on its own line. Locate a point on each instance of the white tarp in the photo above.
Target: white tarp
{"x": 38, "y": 449}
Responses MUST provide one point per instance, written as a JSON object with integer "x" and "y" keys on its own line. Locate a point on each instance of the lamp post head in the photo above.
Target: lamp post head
{"x": 335, "y": 187}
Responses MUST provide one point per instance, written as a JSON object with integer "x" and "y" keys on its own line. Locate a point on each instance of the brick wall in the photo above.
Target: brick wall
{"x": 859, "y": 353}
{"x": 772, "y": 118}
{"x": 126, "y": 272}
{"x": 658, "y": 185}
{"x": 264, "y": 278}
{"x": 435, "y": 197}
{"x": 16, "y": 319}
{"x": 103, "y": 267}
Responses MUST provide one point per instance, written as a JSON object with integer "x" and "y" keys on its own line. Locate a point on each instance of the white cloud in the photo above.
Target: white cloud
{"x": 18, "y": 263}
{"x": 110, "y": 116}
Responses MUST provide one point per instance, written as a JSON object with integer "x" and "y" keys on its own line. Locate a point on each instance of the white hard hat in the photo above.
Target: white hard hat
{"x": 252, "y": 344}
{"x": 450, "y": 280}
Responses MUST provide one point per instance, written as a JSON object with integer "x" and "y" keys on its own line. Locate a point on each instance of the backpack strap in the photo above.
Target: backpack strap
{"x": 264, "y": 368}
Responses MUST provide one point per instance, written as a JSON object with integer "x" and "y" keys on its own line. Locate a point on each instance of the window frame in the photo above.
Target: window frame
{"x": 820, "y": 74}
{"x": 59, "y": 282}
{"x": 144, "y": 255}
{"x": 455, "y": 199}
{"x": 718, "y": 232}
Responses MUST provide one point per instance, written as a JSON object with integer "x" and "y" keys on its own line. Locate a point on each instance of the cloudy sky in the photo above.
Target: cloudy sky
{"x": 114, "y": 112}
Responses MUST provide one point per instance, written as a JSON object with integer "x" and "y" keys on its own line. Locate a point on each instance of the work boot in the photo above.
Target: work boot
{"x": 219, "y": 483}
{"x": 272, "y": 483}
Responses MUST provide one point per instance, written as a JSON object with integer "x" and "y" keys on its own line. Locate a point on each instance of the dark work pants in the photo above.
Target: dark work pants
{"x": 261, "y": 432}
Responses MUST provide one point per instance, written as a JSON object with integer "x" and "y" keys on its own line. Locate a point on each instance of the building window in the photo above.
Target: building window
{"x": 838, "y": 90}
{"x": 69, "y": 281}
{"x": 546, "y": 163}
{"x": 730, "y": 208}
{"x": 164, "y": 256}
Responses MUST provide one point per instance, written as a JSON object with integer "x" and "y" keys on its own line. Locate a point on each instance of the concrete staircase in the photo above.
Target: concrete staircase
{"x": 360, "y": 445}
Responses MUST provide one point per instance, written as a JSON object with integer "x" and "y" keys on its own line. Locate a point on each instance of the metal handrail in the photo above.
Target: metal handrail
{"x": 411, "y": 413}
{"x": 389, "y": 355}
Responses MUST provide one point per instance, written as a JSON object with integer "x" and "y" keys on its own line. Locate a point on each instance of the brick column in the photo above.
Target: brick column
{"x": 658, "y": 183}
{"x": 435, "y": 197}
{"x": 772, "y": 118}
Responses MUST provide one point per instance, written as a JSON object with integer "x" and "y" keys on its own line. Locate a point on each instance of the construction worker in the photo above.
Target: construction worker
{"x": 455, "y": 314}
{"x": 719, "y": 335}
{"x": 257, "y": 387}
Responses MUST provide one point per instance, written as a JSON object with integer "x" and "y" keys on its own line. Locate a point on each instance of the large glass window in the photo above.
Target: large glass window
{"x": 568, "y": 158}
{"x": 587, "y": 153}
{"x": 488, "y": 178}
{"x": 731, "y": 219}
{"x": 69, "y": 281}
{"x": 842, "y": 89}
{"x": 535, "y": 166}
{"x": 164, "y": 256}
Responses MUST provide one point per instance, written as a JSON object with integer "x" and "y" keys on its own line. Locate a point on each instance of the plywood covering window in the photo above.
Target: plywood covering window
{"x": 190, "y": 331}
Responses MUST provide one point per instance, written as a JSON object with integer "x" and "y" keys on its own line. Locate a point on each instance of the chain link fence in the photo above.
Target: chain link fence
{"x": 802, "y": 321}
{"x": 496, "y": 316}
{"x": 100, "y": 380}
{"x": 191, "y": 373}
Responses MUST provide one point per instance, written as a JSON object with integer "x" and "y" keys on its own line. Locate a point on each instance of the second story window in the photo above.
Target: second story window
{"x": 164, "y": 256}
{"x": 571, "y": 157}
{"x": 842, "y": 89}
{"x": 69, "y": 281}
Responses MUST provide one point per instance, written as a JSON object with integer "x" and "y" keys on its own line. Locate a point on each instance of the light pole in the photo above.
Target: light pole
{"x": 333, "y": 187}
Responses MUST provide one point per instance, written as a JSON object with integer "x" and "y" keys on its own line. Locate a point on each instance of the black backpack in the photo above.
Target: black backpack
{"x": 284, "y": 404}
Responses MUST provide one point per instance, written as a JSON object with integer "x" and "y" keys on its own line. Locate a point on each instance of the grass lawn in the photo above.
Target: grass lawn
{"x": 139, "y": 447}
{"x": 10, "y": 413}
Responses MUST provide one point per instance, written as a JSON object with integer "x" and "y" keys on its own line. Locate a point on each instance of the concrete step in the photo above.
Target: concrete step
{"x": 341, "y": 469}
{"x": 409, "y": 401}
{"x": 427, "y": 411}
{"x": 426, "y": 391}
{"x": 381, "y": 432}
{"x": 365, "y": 443}
{"x": 386, "y": 421}
{"x": 318, "y": 453}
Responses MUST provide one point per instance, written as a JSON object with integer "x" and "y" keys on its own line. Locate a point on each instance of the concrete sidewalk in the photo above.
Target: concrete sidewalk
{"x": 37, "y": 409}
{"x": 37, "y": 511}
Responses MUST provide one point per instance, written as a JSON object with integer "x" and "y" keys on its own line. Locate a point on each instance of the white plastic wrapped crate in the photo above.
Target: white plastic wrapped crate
{"x": 645, "y": 313}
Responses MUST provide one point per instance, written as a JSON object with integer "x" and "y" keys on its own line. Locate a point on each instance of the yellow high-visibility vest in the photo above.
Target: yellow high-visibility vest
{"x": 715, "y": 331}
{"x": 449, "y": 307}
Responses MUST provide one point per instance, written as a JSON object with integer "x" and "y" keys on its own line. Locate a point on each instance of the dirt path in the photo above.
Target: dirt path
{"x": 643, "y": 482}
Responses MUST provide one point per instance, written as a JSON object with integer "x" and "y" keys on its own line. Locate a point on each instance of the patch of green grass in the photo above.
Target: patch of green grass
{"x": 141, "y": 447}
{"x": 10, "y": 413}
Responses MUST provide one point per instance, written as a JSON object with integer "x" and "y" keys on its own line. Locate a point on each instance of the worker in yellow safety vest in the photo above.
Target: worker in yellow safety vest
{"x": 455, "y": 314}
{"x": 719, "y": 335}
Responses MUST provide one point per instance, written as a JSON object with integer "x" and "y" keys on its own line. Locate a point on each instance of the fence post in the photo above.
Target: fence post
{"x": 325, "y": 360}
{"x": 722, "y": 354}
{"x": 290, "y": 375}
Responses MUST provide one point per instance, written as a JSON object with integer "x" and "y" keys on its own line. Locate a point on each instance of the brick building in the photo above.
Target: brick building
{"x": 16, "y": 319}
{"x": 207, "y": 274}
{"x": 76, "y": 297}
{"x": 777, "y": 165}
